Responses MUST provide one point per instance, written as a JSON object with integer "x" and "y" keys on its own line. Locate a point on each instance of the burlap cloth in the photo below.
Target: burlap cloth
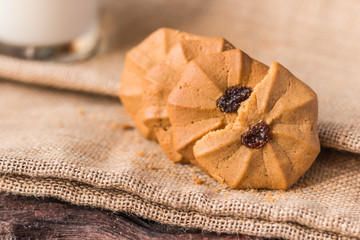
{"x": 72, "y": 144}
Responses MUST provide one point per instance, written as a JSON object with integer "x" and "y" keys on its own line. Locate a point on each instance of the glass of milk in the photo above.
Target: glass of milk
{"x": 59, "y": 30}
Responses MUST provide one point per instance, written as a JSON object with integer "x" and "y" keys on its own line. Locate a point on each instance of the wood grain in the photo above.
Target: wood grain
{"x": 47, "y": 218}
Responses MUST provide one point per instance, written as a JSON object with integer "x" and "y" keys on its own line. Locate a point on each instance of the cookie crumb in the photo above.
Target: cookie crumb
{"x": 193, "y": 170}
{"x": 136, "y": 139}
{"x": 125, "y": 126}
{"x": 150, "y": 166}
{"x": 270, "y": 199}
{"x": 268, "y": 194}
{"x": 150, "y": 157}
{"x": 80, "y": 111}
{"x": 141, "y": 154}
{"x": 113, "y": 126}
{"x": 217, "y": 189}
{"x": 159, "y": 149}
{"x": 197, "y": 180}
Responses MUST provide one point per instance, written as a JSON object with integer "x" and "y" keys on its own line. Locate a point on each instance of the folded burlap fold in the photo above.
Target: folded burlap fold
{"x": 77, "y": 147}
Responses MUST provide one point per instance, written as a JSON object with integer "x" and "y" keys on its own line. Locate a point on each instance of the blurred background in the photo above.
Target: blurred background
{"x": 318, "y": 41}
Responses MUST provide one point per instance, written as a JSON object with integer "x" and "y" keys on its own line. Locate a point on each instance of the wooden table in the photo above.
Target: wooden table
{"x": 39, "y": 218}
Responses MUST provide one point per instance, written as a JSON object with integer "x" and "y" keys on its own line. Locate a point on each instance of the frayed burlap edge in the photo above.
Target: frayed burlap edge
{"x": 109, "y": 181}
{"x": 116, "y": 200}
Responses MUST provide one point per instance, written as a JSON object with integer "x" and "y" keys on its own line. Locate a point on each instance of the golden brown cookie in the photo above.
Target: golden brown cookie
{"x": 192, "y": 104}
{"x": 272, "y": 140}
{"x": 162, "y": 78}
{"x": 139, "y": 60}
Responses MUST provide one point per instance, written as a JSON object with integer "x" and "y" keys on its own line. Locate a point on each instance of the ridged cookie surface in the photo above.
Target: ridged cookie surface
{"x": 162, "y": 78}
{"x": 192, "y": 105}
{"x": 247, "y": 127}
{"x": 139, "y": 60}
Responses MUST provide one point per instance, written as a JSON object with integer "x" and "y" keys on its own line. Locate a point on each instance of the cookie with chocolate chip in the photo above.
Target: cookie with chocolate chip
{"x": 245, "y": 124}
{"x": 208, "y": 95}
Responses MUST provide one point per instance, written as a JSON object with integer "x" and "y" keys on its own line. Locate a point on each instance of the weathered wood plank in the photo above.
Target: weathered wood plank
{"x": 34, "y": 218}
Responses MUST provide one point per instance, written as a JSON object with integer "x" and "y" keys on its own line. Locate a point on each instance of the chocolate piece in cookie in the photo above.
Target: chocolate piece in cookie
{"x": 257, "y": 135}
{"x": 232, "y": 98}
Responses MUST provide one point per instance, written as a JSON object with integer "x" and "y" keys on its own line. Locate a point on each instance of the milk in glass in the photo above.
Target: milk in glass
{"x": 37, "y": 23}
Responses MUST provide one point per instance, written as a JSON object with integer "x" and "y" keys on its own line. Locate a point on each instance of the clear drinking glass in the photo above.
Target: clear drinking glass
{"x": 58, "y": 30}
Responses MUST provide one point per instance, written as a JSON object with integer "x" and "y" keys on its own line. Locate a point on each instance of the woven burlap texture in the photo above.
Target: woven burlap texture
{"x": 73, "y": 145}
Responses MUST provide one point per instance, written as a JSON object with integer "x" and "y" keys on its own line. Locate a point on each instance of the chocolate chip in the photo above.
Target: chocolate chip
{"x": 257, "y": 135}
{"x": 231, "y": 100}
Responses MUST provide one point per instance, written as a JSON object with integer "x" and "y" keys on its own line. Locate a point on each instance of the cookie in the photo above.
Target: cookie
{"x": 139, "y": 60}
{"x": 271, "y": 141}
{"x": 162, "y": 78}
{"x": 192, "y": 104}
